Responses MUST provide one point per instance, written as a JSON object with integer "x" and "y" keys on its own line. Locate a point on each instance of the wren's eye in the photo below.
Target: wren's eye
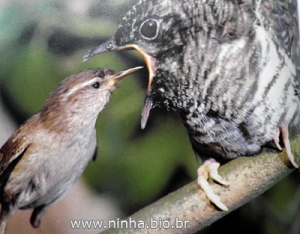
{"x": 96, "y": 85}
{"x": 149, "y": 29}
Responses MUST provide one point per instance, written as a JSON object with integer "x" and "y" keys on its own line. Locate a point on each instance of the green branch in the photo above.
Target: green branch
{"x": 249, "y": 177}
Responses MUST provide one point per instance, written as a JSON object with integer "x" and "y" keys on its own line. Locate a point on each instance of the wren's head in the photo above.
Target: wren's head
{"x": 84, "y": 94}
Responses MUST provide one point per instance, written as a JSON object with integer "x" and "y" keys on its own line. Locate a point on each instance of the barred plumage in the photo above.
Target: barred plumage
{"x": 229, "y": 67}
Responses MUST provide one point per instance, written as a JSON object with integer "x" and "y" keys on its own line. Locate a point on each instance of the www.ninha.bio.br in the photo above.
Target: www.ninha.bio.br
{"x": 130, "y": 224}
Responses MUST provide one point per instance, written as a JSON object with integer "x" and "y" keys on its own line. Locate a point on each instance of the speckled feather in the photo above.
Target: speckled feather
{"x": 231, "y": 68}
{"x": 228, "y": 67}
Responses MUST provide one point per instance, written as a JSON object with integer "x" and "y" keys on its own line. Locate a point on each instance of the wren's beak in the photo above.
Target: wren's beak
{"x": 113, "y": 80}
{"x": 150, "y": 61}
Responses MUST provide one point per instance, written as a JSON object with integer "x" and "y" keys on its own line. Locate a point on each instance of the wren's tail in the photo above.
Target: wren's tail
{"x": 3, "y": 223}
{"x": 3, "y": 218}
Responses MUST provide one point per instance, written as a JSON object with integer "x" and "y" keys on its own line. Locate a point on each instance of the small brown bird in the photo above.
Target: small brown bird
{"x": 49, "y": 152}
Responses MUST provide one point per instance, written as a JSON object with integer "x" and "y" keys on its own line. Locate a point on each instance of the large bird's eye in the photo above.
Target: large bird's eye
{"x": 96, "y": 85}
{"x": 149, "y": 29}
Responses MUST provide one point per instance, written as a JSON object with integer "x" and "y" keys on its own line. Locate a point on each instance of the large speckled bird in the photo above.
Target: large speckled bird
{"x": 229, "y": 67}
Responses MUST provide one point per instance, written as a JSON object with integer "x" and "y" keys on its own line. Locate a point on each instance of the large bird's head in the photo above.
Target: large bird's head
{"x": 151, "y": 27}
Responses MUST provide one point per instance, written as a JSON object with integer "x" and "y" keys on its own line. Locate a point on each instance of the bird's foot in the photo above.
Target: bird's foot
{"x": 287, "y": 145}
{"x": 276, "y": 140}
{"x": 38, "y": 230}
{"x": 210, "y": 169}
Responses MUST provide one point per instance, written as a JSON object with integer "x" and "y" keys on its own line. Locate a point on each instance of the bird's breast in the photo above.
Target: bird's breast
{"x": 233, "y": 96}
{"x": 63, "y": 161}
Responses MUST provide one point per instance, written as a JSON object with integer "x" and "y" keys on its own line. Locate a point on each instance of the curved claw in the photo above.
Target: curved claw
{"x": 287, "y": 145}
{"x": 210, "y": 169}
{"x": 276, "y": 141}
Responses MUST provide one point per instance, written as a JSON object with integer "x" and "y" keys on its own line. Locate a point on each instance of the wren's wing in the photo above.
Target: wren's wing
{"x": 15, "y": 147}
{"x": 11, "y": 151}
{"x": 281, "y": 16}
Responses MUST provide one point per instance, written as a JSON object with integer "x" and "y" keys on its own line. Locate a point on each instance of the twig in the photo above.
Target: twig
{"x": 249, "y": 177}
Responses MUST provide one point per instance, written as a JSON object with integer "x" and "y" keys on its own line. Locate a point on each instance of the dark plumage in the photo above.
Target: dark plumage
{"x": 230, "y": 68}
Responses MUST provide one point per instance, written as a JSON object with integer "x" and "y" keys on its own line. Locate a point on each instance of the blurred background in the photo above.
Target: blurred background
{"x": 43, "y": 42}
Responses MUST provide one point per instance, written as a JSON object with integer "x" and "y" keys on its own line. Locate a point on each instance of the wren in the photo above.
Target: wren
{"x": 49, "y": 152}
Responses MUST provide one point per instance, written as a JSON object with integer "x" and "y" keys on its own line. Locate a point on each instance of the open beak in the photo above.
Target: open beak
{"x": 114, "y": 79}
{"x": 107, "y": 46}
{"x": 110, "y": 45}
{"x": 150, "y": 61}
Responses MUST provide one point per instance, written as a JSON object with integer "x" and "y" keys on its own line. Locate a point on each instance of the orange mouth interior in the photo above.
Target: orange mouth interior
{"x": 151, "y": 65}
{"x": 149, "y": 60}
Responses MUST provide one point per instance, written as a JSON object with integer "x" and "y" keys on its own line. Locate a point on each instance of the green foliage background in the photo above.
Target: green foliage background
{"x": 132, "y": 165}
{"x": 42, "y": 42}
